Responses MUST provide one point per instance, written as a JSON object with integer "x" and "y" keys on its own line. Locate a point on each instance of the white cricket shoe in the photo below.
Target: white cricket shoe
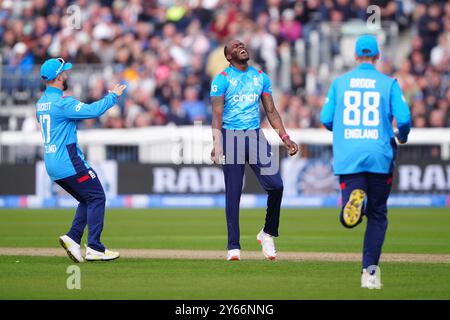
{"x": 72, "y": 248}
{"x": 234, "y": 255}
{"x": 267, "y": 245}
{"x": 93, "y": 255}
{"x": 370, "y": 281}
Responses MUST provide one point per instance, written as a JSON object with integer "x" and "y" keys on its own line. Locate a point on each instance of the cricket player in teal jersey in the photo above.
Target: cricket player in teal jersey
{"x": 65, "y": 163}
{"x": 236, "y": 94}
{"x": 359, "y": 110}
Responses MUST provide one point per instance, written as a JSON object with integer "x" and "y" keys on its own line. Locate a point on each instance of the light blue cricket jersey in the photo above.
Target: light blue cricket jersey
{"x": 242, "y": 92}
{"x": 58, "y": 116}
{"x": 359, "y": 110}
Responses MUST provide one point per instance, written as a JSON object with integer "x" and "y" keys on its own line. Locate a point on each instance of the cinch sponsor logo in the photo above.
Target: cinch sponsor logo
{"x": 245, "y": 97}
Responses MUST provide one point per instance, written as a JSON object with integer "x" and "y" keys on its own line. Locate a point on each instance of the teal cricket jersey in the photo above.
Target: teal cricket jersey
{"x": 359, "y": 109}
{"x": 58, "y": 116}
{"x": 242, "y": 92}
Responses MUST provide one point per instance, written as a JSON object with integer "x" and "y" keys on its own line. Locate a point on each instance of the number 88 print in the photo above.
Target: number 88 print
{"x": 352, "y": 112}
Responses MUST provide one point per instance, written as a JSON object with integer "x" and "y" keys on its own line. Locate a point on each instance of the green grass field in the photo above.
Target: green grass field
{"x": 409, "y": 231}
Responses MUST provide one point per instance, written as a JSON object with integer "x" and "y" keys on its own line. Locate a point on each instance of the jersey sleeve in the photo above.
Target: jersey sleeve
{"x": 74, "y": 109}
{"x": 267, "y": 85}
{"x": 327, "y": 113}
{"x": 218, "y": 86}
{"x": 400, "y": 111}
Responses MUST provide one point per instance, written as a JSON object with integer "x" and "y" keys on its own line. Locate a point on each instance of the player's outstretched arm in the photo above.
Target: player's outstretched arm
{"x": 217, "y": 114}
{"x": 275, "y": 121}
{"x": 74, "y": 109}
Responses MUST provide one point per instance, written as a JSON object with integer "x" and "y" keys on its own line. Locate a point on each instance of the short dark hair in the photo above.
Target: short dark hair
{"x": 225, "y": 49}
{"x": 367, "y": 58}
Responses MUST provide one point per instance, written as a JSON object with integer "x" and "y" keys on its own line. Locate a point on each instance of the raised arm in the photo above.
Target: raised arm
{"x": 74, "y": 109}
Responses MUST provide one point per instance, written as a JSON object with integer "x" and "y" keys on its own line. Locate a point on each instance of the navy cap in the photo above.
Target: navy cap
{"x": 366, "y": 46}
{"x": 52, "y": 68}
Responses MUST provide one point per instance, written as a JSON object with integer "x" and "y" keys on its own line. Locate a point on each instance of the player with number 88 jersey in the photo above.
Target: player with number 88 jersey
{"x": 359, "y": 109}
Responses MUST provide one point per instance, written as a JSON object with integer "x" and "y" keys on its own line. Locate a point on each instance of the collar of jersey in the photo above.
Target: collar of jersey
{"x": 53, "y": 90}
{"x": 366, "y": 65}
{"x": 239, "y": 70}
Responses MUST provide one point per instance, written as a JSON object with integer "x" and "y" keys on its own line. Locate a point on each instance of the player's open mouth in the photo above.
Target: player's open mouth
{"x": 243, "y": 51}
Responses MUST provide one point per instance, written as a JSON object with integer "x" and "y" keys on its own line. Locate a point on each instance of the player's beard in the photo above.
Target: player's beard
{"x": 240, "y": 60}
{"x": 243, "y": 60}
{"x": 65, "y": 85}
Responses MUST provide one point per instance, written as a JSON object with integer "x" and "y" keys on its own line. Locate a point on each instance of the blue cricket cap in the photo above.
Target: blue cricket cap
{"x": 366, "y": 46}
{"x": 52, "y": 68}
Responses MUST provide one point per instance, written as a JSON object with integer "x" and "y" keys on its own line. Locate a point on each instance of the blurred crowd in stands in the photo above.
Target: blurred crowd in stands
{"x": 167, "y": 51}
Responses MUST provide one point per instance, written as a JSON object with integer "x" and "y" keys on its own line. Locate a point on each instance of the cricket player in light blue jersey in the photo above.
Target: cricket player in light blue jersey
{"x": 359, "y": 110}
{"x": 236, "y": 94}
{"x": 65, "y": 163}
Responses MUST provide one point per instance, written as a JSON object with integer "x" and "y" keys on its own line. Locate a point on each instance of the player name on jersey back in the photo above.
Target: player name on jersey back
{"x": 41, "y": 107}
{"x": 362, "y": 83}
{"x": 359, "y": 110}
{"x": 362, "y": 108}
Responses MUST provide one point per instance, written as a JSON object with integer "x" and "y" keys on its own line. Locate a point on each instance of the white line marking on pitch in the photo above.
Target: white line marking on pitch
{"x": 246, "y": 255}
